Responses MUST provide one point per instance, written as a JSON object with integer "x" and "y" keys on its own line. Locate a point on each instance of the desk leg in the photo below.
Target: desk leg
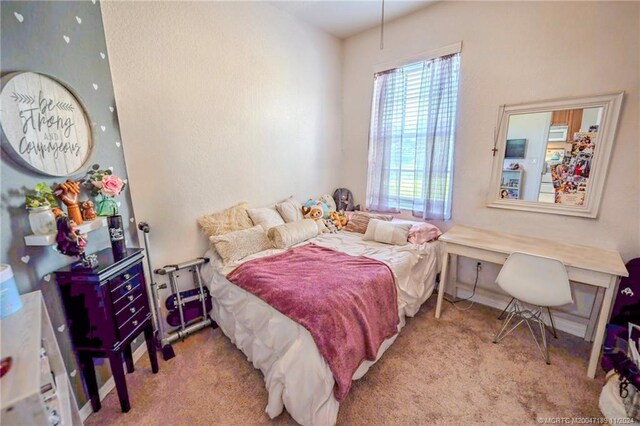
{"x": 443, "y": 283}
{"x": 453, "y": 274}
{"x": 605, "y": 310}
{"x": 595, "y": 311}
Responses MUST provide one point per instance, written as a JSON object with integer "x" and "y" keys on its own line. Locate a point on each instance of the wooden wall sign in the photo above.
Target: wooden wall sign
{"x": 44, "y": 126}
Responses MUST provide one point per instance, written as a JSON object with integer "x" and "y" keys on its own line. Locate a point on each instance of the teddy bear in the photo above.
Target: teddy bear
{"x": 319, "y": 203}
{"x": 315, "y": 212}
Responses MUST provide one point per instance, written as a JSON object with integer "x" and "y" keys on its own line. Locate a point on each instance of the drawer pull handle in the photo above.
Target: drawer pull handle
{"x": 130, "y": 297}
{"x": 126, "y": 276}
{"x": 135, "y": 322}
{"x": 132, "y": 310}
{"x": 128, "y": 287}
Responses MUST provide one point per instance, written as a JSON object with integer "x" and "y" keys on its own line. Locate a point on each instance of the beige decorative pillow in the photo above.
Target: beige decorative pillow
{"x": 329, "y": 201}
{"x": 383, "y": 231}
{"x": 290, "y": 210}
{"x": 237, "y": 245}
{"x": 267, "y": 217}
{"x": 289, "y": 234}
{"x": 232, "y": 219}
{"x": 360, "y": 220}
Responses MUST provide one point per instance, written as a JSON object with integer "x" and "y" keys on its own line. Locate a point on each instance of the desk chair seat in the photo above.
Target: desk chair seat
{"x": 536, "y": 283}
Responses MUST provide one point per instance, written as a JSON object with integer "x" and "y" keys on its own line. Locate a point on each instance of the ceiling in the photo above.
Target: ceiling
{"x": 344, "y": 18}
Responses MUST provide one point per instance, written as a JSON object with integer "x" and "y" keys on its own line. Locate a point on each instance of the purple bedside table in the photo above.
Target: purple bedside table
{"x": 106, "y": 308}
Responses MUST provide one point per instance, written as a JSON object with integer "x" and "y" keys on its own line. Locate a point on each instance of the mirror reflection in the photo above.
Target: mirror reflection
{"x": 548, "y": 155}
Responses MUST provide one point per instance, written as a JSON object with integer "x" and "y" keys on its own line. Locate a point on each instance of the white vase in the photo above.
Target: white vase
{"x": 42, "y": 221}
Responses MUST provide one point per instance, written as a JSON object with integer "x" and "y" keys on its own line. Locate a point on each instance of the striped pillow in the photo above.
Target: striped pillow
{"x": 359, "y": 221}
{"x": 387, "y": 232}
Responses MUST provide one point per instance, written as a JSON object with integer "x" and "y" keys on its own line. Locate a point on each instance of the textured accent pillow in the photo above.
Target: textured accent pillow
{"x": 360, "y": 220}
{"x": 290, "y": 210}
{"x": 232, "y": 219}
{"x": 267, "y": 217}
{"x": 289, "y": 234}
{"x": 237, "y": 245}
{"x": 387, "y": 232}
{"x": 423, "y": 232}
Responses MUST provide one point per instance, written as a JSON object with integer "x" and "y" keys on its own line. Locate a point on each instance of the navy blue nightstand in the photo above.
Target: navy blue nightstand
{"x": 106, "y": 308}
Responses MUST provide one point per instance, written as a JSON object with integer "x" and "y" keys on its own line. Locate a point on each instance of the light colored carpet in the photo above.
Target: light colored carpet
{"x": 437, "y": 372}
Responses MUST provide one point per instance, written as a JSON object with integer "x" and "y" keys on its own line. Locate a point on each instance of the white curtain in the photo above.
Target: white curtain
{"x": 411, "y": 138}
{"x": 388, "y": 103}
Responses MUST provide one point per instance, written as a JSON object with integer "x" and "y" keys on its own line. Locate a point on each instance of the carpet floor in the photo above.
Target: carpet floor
{"x": 443, "y": 371}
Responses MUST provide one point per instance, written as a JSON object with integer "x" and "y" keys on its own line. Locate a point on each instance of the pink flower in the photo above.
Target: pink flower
{"x": 111, "y": 185}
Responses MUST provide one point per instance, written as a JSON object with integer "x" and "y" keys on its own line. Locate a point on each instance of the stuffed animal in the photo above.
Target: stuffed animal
{"x": 344, "y": 200}
{"x": 316, "y": 213}
{"x": 321, "y": 204}
{"x": 339, "y": 219}
{"x": 328, "y": 223}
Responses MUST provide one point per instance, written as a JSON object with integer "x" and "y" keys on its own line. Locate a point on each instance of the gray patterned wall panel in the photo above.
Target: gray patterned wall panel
{"x": 66, "y": 41}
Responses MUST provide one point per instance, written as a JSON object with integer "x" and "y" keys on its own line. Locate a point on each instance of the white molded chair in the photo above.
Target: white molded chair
{"x": 533, "y": 280}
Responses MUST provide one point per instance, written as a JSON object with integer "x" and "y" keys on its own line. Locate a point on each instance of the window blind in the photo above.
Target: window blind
{"x": 411, "y": 137}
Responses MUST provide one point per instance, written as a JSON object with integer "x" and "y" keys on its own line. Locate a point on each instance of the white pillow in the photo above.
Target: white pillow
{"x": 267, "y": 217}
{"x": 240, "y": 244}
{"x": 289, "y": 234}
{"x": 387, "y": 232}
{"x": 290, "y": 210}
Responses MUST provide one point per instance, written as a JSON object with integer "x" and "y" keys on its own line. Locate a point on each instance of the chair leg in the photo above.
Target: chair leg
{"x": 513, "y": 313}
{"x": 543, "y": 331}
{"x": 527, "y": 316}
{"x": 553, "y": 326}
{"x": 507, "y": 307}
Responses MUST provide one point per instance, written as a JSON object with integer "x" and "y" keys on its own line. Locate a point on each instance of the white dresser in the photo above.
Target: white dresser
{"x": 36, "y": 390}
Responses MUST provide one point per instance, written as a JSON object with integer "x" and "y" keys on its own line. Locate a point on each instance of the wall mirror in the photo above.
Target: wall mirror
{"x": 552, "y": 157}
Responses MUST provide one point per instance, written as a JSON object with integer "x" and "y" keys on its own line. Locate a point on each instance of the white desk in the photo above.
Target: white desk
{"x": 589, "y": 265}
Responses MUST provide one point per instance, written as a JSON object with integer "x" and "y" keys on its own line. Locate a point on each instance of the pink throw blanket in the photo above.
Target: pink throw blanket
{"x": 349, "y": 304}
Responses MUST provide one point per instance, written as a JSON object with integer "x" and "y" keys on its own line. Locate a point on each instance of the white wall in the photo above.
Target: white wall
{"x": 219, "y": 103}
{"x": 535, "y": 129}
{"x": 514, "y": 52}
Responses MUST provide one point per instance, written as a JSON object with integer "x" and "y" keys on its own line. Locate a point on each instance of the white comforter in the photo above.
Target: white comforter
{"x": 296, "y": 375}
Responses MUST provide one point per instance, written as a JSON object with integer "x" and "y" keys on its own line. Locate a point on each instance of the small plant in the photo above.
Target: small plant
{"x": 41, "y": 196}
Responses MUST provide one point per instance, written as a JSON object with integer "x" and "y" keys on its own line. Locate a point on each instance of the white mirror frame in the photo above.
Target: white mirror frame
{"x": 611, "y": 105}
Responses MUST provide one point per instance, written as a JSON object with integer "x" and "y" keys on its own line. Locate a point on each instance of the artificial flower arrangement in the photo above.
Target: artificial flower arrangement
{"x": 104, "y": 184}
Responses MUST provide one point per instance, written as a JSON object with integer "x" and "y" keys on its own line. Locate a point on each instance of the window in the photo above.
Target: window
{"x": 412, "y": 137}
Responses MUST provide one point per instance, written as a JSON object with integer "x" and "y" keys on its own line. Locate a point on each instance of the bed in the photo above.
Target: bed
{"x": 296, "y": 375}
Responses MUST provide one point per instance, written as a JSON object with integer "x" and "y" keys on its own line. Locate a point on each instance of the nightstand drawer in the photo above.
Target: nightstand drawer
{"x": 125, "y": 287}
{"x": 133, "y": 323}
{"x": 120, "y": 282}
{"x": 123, "y": 296}
{"x": 129, "y": 311}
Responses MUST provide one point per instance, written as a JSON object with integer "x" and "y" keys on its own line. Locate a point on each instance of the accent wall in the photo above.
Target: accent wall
{"x": 64, "y": 40}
